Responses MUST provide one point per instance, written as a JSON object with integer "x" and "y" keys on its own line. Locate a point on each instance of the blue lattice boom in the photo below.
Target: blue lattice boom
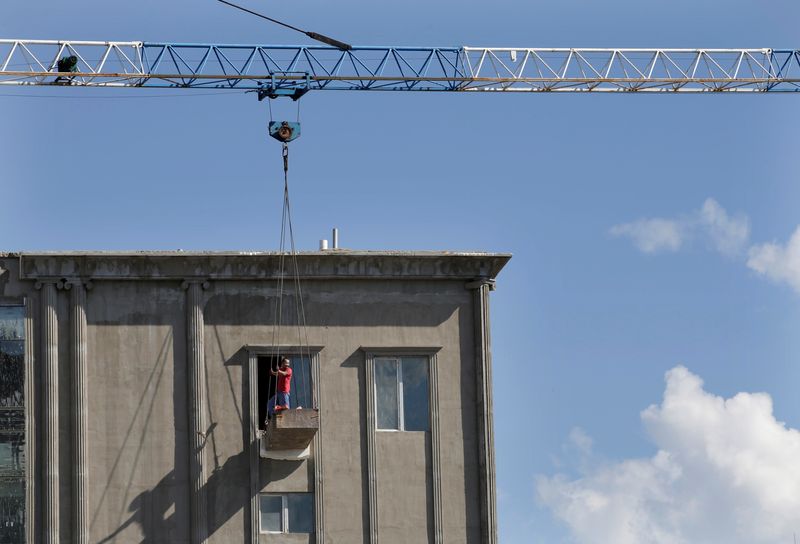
{"x": 286, "y": 69}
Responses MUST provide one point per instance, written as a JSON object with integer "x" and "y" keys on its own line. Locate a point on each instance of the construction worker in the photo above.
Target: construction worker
{"x": 280, "y": 400}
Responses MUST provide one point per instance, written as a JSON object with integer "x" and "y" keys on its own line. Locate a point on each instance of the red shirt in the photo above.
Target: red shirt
{"x": 285, "y": 382}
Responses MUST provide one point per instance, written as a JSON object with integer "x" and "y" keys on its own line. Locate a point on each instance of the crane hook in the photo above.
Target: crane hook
{"x": 284, "y": 131}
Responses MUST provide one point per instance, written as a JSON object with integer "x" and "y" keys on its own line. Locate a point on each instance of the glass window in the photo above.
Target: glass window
{"x": 401, "y": 391}
{"x": 12, "y": 424}
{"x": 271, "y": 513}
{"x": 301, "y": 382}
{"x": 300, "y": 509}
{"x": 415, "y": 393}
{"x": 386, "y": 393}
{"x": 287, "y": 513}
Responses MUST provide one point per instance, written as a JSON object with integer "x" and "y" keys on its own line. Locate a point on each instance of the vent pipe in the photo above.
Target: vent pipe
{"x": 335, "y": 238}
{"x": 323, "y": 245}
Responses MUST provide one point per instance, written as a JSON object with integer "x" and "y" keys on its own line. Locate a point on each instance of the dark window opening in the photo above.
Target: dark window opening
{"x": 301, "y": 392}
{"x": 12, "y": 425}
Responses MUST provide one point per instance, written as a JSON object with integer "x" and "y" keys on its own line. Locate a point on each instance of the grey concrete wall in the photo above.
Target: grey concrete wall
{"x": 137, "y": 426}
{"x": 405, "y": 505}
{"x": 10, "y": 284}
{"x": 138, "y": 422}
{"x": 343, "y": 316}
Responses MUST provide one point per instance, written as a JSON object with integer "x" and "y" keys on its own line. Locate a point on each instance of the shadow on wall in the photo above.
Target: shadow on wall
{"x": 153, "y": 509}
{"x": 413, "y": 309}
{"x": 161, "y": 513}
{"x": 156, "y": 508}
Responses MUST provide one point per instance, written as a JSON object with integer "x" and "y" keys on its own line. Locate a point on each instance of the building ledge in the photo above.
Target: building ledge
{"x": 331, "y": 264}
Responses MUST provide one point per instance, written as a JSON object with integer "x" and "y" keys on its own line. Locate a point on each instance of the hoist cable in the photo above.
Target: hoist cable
{"x": 287, "y": 228}
{"x": 278, "y": 319}
{"x": 299, "y": 307}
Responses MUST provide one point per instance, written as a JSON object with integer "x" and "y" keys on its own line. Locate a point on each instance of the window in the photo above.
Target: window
{"x": 12, "y": 424}
{"x": 401, "y": 393}
{"x": 287, "y": 513}
{"x": 301, "y": 391}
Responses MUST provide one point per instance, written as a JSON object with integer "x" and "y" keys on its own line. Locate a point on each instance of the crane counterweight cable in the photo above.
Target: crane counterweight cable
{"x": 316, "y": 36}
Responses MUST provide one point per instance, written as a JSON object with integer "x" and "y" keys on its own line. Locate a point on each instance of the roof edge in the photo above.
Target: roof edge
{"x": 330, "y": 264}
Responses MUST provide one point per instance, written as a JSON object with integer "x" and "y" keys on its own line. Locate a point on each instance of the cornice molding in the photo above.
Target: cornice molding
{"x": 260, "y": 266}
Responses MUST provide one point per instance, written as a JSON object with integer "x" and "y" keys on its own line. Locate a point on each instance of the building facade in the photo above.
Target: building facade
{"x": 134, "y": 388}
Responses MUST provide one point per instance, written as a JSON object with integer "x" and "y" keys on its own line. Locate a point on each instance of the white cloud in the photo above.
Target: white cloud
{"x": 652, "y": 235}
{"x": 729, "y": 235}
{"x": 581, "y": 440}
{"x": 779, "y": 263}
{"x": 726, "y": 234}
{"x": 726, "y": 471}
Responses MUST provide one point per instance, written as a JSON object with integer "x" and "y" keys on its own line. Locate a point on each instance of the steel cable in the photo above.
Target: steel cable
{"x": 302, "y": 329}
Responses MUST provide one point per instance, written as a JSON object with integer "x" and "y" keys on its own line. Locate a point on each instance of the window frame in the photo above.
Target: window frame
{"x": 401, "y": 412}
{"x": 256, "y": 351}
{"x": 311, "y": 388}
{"x": 252, "y": 352}
{"x": 372, "y": 354}
{"x": 285, "y": 513}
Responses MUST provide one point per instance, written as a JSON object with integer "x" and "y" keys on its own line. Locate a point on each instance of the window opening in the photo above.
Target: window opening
{"x": 12, "y": 424}
{"x": 301, "y": 389}
{"x": 401, "y": 392}
{"x": 286, "y": 513}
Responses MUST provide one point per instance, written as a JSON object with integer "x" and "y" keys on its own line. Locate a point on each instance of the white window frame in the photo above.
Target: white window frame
{"x": 284, "y": 514}
{"x": 401, "y": 416}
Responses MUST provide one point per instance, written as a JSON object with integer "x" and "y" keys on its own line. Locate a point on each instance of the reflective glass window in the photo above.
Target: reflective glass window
{"x": 271, "y": 513}
{"x": 300, "y": 512}
{"x": 402, "y": 393}
{"x": 386, "y": 398}
{"x": 12, "y": 424}
{"x": 414, "y": 383}
{"x": 287, "y": 513}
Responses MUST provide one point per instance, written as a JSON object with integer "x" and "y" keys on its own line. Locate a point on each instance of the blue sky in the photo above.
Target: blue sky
{"x": 585, "y": 323}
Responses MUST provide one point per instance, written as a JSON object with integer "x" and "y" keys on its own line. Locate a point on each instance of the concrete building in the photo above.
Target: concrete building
{"x": 134, "y": 387}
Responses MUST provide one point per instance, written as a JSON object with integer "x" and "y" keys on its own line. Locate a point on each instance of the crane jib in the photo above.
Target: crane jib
{"x": 292, "y": 70}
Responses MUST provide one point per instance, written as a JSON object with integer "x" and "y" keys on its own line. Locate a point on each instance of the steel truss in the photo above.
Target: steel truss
{"x": 293, "y": 70}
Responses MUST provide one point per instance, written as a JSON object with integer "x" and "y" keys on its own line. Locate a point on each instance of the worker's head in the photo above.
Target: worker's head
{"x": 285, "y": 363}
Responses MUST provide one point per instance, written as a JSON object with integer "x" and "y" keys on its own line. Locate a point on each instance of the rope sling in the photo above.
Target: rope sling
{"x": 277, "y": 324}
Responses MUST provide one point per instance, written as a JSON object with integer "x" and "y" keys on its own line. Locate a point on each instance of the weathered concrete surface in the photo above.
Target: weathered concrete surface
{"x": 248, "y": 266}
{"x": 292, "y": 429}
{"x": 405, "y": 508}
{"x": 137, "y": 429}
{"x": 138, "y": 403}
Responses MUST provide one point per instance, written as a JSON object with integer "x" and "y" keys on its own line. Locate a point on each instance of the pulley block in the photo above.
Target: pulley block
{"x": 284, "y": 131}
